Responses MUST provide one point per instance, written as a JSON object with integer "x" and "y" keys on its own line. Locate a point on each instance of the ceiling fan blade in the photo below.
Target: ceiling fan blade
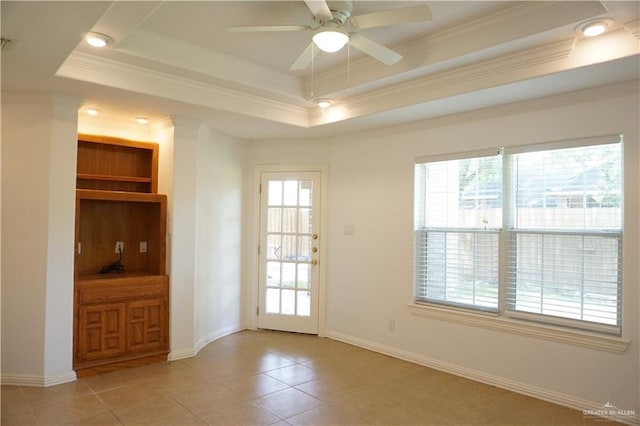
{"x": 374, "y": 49}
{"x": 402, "y": 15}
{"x": 305, "y": 58}
{"x": 319, "y": 9}
{"x": 263, "y": 28}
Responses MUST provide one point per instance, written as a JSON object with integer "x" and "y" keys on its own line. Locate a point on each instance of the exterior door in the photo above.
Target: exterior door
{"x": 289, "y": 251}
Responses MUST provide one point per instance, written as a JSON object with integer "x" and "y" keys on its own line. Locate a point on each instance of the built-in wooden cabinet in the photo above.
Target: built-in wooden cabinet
{"x": 113, "y": 164}
{"x": 121, "y": 299}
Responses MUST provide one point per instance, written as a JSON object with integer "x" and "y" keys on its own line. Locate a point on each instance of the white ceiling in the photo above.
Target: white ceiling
{"x": 176, "y": 58}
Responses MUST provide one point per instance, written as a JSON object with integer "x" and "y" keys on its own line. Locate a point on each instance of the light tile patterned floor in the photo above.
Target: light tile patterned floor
{"x": 271, "y": 378}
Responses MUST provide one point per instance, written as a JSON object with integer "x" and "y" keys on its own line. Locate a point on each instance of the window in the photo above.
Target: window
{"x": 533, "y": 233}
{"x": 458, "y": 219}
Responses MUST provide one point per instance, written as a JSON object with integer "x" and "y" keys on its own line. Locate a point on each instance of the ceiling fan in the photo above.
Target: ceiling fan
{"x": 338, "y": 26}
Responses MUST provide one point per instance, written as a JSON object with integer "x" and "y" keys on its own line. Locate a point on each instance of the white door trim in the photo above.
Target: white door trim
{"x": 252, "y": 284}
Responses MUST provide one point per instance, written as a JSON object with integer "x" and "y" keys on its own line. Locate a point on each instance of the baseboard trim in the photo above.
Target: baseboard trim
{"x": 559, "y": 398}
{"x": 181, "y": 354}
{"x": 201, "y": 343}
{"x": 37, "y": 381}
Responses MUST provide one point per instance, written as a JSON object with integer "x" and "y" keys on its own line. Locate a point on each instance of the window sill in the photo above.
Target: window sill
{"x": 523, "y": 328}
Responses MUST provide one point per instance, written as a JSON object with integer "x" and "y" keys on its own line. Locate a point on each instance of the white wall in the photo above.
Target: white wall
{"x": 370, "y": 272}
{"x": 38, "y": 204}
{"x": 219, "y": 236}
{"x": 61, "y": 240}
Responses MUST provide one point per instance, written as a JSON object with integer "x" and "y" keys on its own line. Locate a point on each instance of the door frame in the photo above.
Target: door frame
{"x": 253, "y": 258}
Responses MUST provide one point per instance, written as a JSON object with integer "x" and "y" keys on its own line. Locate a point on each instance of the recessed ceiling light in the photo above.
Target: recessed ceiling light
{"x": 324, "y": 102}
{"x": 98, "y": 40}
{"x": 142, "y": 120}
{"x": 594, "y": 28}
{"x": 92, "y": 111}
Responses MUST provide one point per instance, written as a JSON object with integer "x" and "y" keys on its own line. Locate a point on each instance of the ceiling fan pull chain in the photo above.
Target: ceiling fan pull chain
{"x": 348, "y": 66}
{"x": 312, "y": 82}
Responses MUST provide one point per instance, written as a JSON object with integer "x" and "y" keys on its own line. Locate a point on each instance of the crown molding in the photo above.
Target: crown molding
{"x": 94, "y": 69}
{"x": 485, "y": 74}
{"x": 511, "y": 23}
{"x": 633, "y": 27}
{"x": 182, "y": 55}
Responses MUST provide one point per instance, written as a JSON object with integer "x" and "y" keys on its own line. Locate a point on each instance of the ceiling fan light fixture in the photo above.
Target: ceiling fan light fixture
{"x": 330, "y": 40}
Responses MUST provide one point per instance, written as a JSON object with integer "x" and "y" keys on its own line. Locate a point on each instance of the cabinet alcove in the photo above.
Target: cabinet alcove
{"x": 121, "y": 297}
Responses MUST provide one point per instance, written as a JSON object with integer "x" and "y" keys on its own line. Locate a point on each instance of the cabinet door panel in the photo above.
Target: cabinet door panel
{"x": 147, "y": 324}
{"x": 101, "y": 331}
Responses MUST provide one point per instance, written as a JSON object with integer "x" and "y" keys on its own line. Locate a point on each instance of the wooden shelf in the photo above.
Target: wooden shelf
{"x": 106, "y": 163}
{"x": 92, "y": 278}
{"x": 104, "y": 217}
{"x": 98, "y": 194}
{"x": 121, "y": 319}
{"x": 91, "y": 176}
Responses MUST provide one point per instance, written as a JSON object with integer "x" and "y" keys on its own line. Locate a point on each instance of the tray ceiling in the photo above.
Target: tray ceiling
{"x": 177, "y": 58}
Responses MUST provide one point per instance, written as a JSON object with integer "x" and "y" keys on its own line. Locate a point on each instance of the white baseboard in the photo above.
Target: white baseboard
{"x": 191, "y": 352}
{"x": 181, "y": 354}
{"x": 37, "y": 381}
{"x": 217, "y": 335}
{"x": 565, "y": 400}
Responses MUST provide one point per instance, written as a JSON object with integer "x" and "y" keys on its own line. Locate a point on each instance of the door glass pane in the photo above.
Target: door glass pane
{"x": 274, "y": 247}
{"x": 288, "y": 247}
{"x": 304, "y": 248}
{"x": 303, "y": 275}
{"x": 304, "y": 221}
{"x": 304, "y": 303}
{"x": 288, "y": 274}
{"x": 290, "y": 193}
{"x": 273, "y": 301}
{"x": 305, "y": 193}
{"x": 288, "y": 302}
{"x": 289, "y": 222}
{"x": 275, "y": 193}
{"x": 273, "y": 274}
{"x": 274, "y": 219}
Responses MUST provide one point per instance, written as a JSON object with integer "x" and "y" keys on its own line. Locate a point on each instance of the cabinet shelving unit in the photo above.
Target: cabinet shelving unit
{"x": 122, "y": 315}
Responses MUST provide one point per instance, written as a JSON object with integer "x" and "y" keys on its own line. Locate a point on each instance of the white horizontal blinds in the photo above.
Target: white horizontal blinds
{"x": 457, "y": 268}
{"x": 458, "y": 214}
{"x": 564, "y": 256}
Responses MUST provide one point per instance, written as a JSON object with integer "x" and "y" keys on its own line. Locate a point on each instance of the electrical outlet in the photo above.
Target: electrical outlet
{"x": 119, "y": 246}
{"x": 143, "y": 246}
{"x": 79, "y": 247}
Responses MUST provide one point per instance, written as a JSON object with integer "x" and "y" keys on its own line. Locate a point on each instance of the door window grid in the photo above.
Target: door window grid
{"x": 289, "y": 241}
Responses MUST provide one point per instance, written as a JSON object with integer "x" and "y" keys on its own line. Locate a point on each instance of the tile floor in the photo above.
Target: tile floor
{"x": 271, "y": 378}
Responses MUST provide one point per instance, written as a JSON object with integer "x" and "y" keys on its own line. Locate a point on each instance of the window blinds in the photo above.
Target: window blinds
{"x": 534, "y": 233}
{"x": 458, "y": 216}
{"x": 565, "y": 244}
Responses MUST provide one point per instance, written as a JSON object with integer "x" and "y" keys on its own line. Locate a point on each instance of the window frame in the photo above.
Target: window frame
{"x": 580, "y": 332}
